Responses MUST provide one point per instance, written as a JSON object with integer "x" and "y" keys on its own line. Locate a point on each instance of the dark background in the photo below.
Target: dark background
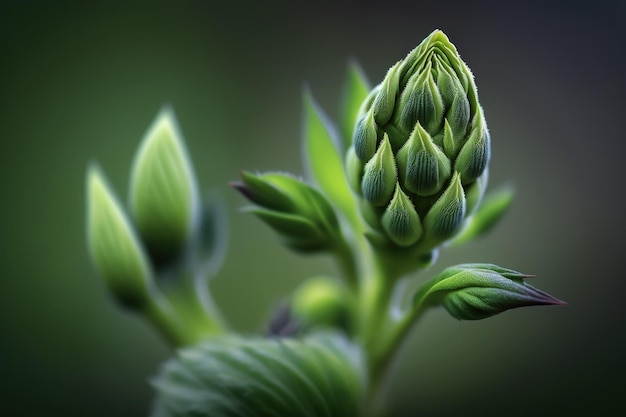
{"x": 83, "y": 80}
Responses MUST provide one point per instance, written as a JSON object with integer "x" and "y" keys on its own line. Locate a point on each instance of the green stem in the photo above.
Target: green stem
{"x": 193, "y": 304}
{"x": 375, "y": 314}
{"x": 168, "y": 323}
{"x": 346, "y": 260}
{"x": 182, "y": 310}
{"x": 398, "y": 333}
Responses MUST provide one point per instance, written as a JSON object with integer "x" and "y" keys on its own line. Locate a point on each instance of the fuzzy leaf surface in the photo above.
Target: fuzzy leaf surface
{"x": 478, "y": 291}
{"x": 319, "y": 376}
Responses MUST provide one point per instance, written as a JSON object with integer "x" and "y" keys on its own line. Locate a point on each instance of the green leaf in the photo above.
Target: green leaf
{"x": 356, "y": 89}
{"x": 300, "y": 213}
{"x": 319, "y": 376}
{"x": 324, "y": 163}
{"x": 478, "y": 291}
{"x": 488, "y": 214}
{"x": 297, "y": 232}
{"x": 163, "y": 190}
{"x": 113, "y": 244}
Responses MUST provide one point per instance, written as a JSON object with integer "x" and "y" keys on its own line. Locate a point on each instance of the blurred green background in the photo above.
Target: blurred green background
{"x": 82, "y": 81}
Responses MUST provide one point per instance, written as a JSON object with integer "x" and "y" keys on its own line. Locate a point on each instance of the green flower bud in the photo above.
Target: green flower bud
{"x": 420, "y": 102}
{"x": 427, "y": 111}
{"x": 474, "y": 156}
{"x": 478, "y": 291}
{"x": 379, "y": 177}
{"x": 385, "y": 101}
{"x": 459, "y": 115}
{"x": 163, "y": 191}
{"x": 423, "y": 168}
{"x": 321, "y": 301}
{"x": 400, "y": 220}
{"x": 447, "y": 81}
{"x": 113, "y": 244}
{"x": 354, "y": 170}
{"x": 446, "y": 216}
{"x": 365, "y": 137}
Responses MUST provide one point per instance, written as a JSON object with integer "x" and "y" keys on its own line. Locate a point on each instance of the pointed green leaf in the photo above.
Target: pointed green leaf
{"x": 319, "y": 376}
{"x": 259, "y": 190}
{"x": 113, "y": 244}
{"x": 163, "y": 190}
{"x": 487, "y": 215}
{"x": 324, "y": 162}
{"x": 288, "y": 224}
{"x": 284, "y": 193}
{"x": 356, "y": 89}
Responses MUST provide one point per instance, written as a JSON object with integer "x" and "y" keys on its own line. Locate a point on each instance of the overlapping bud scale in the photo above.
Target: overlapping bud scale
{"x": 421, "y": 147}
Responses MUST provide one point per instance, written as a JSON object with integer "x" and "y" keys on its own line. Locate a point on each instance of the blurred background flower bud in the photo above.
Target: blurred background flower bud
{"x": 322, "y": 301}
{"x": 163, "y": 192}
{"x": 113, "y": 245}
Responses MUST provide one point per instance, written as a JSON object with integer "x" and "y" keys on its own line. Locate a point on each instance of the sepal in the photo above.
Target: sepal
{"x": 295, "y": 210}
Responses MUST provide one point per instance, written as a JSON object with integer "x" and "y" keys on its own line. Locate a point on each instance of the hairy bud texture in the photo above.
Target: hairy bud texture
{"x": 420, "y": 144}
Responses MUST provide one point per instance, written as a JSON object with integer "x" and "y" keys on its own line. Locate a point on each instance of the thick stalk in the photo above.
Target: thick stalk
{"x": 161, "y": 314}
{"x": 193, "y": 304}
{"x": 344, "y": 255}
{"x": 398, "y": 333}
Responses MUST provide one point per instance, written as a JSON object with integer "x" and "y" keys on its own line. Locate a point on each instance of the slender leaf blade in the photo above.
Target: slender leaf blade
{"x": 323, "y": 161}
{"x": 488, "y": 214}
{"x": 356, "y": 89}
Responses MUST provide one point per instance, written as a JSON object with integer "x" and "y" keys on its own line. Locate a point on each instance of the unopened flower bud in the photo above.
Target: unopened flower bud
{"x": 474, "y": 155}
{"x": 478, "y": 291}
{"x": 354, "y": 170}
{"x": 321, "y": 301}
{"x": 423, "y": 168}
{"x": 426, "y": 110}
{"x": 400, "y": 220}
{"x": 163, "y": 191}
{"x": 446, "y": 216}
{"x": 114, "y": 247}
{"x": 379, "y": 177}
{"x": 384, "y": 102}
{"x": 365, "y": 137}
{"x": 420, "y": 102}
